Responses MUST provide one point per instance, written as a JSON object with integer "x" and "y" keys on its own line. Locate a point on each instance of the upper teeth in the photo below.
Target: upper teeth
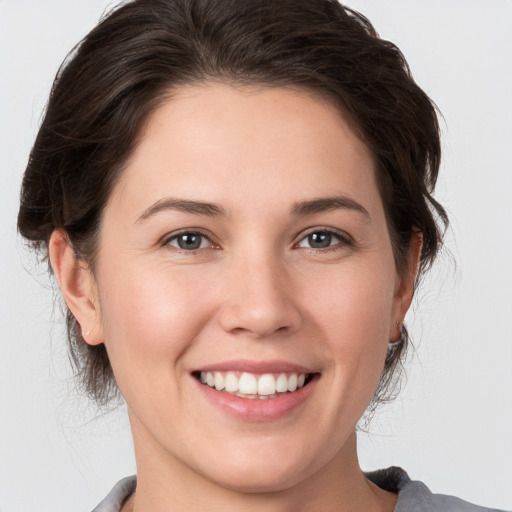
{"x": 251, "y": 384}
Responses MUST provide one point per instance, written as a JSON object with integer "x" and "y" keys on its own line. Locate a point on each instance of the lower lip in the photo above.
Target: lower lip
{"x": 257, "y": 410}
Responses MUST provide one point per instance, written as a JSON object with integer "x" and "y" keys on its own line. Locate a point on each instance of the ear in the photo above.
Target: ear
{"x": 406, "y": 285}
{"x": 77, "y": 285}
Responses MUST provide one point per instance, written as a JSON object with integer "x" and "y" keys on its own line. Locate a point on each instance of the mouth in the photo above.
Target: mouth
{"x": 254, "y": 386}
{"x": 257, "y": 391}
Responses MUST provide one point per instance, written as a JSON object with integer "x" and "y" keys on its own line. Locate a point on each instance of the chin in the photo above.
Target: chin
{"x": 259, "y": 480}
{"x": 262, "y": 469}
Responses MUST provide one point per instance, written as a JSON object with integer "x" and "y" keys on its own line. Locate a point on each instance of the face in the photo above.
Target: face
{"x": 245, "y": 286}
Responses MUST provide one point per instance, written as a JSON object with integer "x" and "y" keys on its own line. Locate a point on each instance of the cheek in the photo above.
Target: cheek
{"x": 150, "y": 317}
{"x": 354, "y": 317}
{"x": 358, "y": 303}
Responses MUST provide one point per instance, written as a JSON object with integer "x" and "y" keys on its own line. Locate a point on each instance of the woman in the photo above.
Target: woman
{"x": 235, "y": 198}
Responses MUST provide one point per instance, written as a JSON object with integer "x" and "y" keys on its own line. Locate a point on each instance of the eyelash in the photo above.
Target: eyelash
{"x": 343, "y": 240}
{"x": 176, "y": 236}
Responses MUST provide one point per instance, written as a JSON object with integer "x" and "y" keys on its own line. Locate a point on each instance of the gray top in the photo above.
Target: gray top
{"x": 413, "y": 496}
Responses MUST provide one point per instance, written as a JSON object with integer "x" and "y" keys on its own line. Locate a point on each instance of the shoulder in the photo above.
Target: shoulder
{"x": 118, "y": 495}
{"x": 414, "y": 496}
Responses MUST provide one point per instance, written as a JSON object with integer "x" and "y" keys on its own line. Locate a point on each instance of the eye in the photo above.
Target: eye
{"x": 189, "y": 241}
{"x": 322, "y": 239}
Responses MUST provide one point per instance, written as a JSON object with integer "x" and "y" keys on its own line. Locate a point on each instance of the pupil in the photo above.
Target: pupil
{"x": 320, "y": 240}
{"x": 189, "y": 241}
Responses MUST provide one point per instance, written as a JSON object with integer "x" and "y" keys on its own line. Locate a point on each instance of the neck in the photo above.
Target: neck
{"x": 164, "y": 483}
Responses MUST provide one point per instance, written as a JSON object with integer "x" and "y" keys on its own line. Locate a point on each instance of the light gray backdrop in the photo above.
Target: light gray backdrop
{"x": 452, "y": 425}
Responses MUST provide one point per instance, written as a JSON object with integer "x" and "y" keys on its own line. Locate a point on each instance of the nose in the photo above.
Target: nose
{"x": 259, "y": 299}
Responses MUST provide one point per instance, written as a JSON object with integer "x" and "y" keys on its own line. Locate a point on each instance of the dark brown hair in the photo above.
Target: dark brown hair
{"x": 125, "y": 67}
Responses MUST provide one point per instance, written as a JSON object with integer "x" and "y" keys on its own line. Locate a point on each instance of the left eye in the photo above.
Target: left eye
{"x": 320, "y": 240}
{"x": 189, "y": 241}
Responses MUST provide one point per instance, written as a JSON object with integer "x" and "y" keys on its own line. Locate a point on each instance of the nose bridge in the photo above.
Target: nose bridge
{"x": 259, "y": 297}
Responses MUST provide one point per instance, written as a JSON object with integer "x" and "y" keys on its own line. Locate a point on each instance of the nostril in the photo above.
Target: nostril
{"x": 260, "y": 322}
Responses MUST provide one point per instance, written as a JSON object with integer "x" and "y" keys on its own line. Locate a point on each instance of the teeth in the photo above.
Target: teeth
{"x": 231, "y": 382}
{"x": 266, "y": 385}
{"x": 292, "y": 382}
{"x": 253, "y": 386}
{"x": 218, "y": 380}
{"x": 248, "y": 384}
{"x": 282, "y": 383}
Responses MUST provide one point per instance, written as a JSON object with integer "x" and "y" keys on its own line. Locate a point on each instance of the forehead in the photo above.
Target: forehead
{"x": 227, "y": 142}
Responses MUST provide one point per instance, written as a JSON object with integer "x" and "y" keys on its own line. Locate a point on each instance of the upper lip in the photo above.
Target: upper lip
{"x": 251, "y": 366}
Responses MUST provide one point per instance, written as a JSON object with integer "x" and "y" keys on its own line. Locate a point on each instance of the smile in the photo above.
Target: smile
{"x": 254, "y": 386}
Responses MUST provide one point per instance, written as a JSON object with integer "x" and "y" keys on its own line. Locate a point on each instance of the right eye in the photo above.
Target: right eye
{"x": 189, "y": 241}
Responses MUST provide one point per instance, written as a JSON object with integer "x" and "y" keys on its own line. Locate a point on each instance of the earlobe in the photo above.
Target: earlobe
{"x": 406, "y": 287}
{"x": 77, "y": 286}
{"x": 412, "y": 269}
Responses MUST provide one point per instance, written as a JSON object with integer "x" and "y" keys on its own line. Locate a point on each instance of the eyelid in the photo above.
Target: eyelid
{"x": 166, "y": 239}
{"x": 343, "y": 236}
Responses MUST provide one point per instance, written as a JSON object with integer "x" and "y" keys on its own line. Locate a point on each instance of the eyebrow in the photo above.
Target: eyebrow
{"x": 183, "y": 205}
{"x": 324, "y": 204}
{"x": 302, "y": 208}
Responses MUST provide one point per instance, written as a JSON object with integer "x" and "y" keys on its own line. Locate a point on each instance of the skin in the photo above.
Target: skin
{"x": 256, "y": 289}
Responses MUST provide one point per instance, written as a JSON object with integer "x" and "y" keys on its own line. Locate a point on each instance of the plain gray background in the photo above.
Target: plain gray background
{"x": 452, "y": 424}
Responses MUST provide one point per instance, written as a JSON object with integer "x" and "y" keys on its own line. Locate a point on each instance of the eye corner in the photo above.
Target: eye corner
{"x": 320, "y": 239}
{"x": 189, "y": 241}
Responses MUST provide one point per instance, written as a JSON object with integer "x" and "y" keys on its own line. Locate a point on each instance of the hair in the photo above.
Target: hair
{"x": 117, "y": 76}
